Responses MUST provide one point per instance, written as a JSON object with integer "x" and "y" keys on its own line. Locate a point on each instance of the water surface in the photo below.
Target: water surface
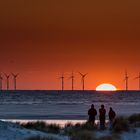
{"x": 64, "y": 105}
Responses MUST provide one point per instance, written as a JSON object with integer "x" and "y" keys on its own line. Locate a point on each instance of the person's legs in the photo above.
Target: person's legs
{"x": 102, "y": 124}
{"x": 93, "y": 122}
{"x": 89, "y": 120}
{"x": 110, "y": 125}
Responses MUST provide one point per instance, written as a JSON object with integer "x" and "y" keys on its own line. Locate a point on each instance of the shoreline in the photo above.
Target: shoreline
{"x": 62, "y": 123}
{"x": 124, "y": 129}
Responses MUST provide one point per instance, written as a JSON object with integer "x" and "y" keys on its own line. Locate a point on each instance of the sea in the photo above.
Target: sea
{"x": 64, "y": 105}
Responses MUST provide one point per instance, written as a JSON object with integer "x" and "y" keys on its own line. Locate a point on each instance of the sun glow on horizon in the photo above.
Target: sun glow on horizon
{"x": 106, "y": 87}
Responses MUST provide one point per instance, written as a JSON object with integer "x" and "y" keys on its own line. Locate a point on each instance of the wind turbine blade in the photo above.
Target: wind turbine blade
{"x": 12, "y": 74}
{"x": 83, "y": 75}
{"x": 7, "y": 76}
{"x": 80, "y": 73}
{"x": 15, "y": 75}
{"x": 86, "y": 74}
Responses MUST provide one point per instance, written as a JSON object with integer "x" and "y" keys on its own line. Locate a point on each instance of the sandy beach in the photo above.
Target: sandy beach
{"x": 127, "y": 129}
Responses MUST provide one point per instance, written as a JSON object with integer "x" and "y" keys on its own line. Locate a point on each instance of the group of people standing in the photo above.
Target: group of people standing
{"x": 92, "y": 112}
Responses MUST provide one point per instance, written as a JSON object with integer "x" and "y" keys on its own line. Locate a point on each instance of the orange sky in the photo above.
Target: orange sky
{"x": 42, "y": 39}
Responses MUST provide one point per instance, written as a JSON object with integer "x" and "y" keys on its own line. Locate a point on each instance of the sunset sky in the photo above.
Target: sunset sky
{"x": 40, "y": 39}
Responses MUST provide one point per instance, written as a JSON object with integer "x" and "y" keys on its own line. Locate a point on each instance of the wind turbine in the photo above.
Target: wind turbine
{"x": 62, "y": 81}
{"x": 1, "y": 78}
{"x": 72, "y": 81}
{"x": 83, "y": 79}
{"x": 7, "y": 80}
{"x": 138, "y": 80}
{"x": 15, "y": 80}
{"x": 126, "y": 80}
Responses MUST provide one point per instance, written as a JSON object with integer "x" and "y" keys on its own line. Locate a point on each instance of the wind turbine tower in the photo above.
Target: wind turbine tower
{"x": 72, "y": 81}
{"x": 138, "y": 80}
{"x": 7, "y": 80}
{"x": 15, "y": 80}
{"x": 83, "y": 80}
{"x": 1, "y": 78}
{"x": 62, "y": 81}
{"x": 126, "y": 80}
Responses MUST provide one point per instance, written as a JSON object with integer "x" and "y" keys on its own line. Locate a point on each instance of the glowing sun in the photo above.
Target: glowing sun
{"x": 106, "y": 87}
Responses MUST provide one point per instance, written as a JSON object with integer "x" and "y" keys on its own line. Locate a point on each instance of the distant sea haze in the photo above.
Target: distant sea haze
{"x": 65, "y": 105}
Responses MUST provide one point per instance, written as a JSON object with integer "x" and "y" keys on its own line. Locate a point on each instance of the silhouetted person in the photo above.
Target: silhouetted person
{"x": 112, "y": 116}
{"x": 92, "y": 113}
{"x": 102, "y": 114}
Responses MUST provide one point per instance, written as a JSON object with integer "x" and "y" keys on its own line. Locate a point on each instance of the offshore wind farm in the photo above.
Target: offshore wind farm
{"x": 62, "y": 103}
{"x": 11, "y": 79}
{"x": 7, "y": 79}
